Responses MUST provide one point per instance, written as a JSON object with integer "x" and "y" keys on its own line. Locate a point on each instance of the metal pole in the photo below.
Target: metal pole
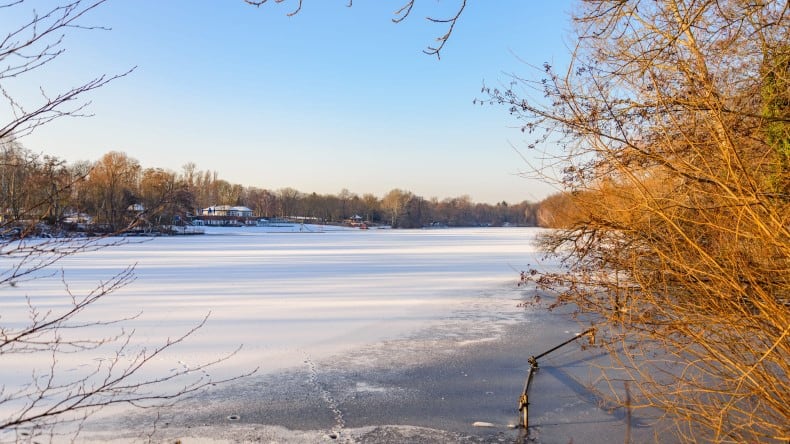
{"x": 523, "y": 402}
{"x": 589, "y": 330}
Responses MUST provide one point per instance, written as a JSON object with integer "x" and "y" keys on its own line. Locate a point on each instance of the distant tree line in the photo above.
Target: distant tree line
{"x": 116, "y": 192}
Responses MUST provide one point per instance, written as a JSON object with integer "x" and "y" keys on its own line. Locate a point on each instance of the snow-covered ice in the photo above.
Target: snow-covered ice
{"x": 345, "y": 314}
{"x": 283, "y": 295}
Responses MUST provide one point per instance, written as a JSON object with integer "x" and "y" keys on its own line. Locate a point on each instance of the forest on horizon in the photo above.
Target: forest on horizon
{"x": 114, "y": 190}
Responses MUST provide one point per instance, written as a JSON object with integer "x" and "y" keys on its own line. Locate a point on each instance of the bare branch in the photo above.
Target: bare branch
{"x": 258, "y": 3}
{"x": 673, "y": 226}
{"x": 436, "y": 50}
{"x": 399, "y": 15}
{"x": 403, "y": 12}
{"x": 34, "y": 45}
{"x": 33, "y": 188}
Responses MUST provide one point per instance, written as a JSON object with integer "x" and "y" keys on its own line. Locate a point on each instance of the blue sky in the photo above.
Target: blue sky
{"x": 331, "y": 98}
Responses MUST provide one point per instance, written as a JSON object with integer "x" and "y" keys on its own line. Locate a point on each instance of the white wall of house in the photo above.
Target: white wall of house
{"x": 226, "y": 210}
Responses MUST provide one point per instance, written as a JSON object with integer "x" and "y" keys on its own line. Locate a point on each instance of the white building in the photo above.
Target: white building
{"x": 226, "y": 211}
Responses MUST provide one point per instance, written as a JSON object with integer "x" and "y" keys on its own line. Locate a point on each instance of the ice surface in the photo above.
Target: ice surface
{"x": 344, "y": 324}
{"x": 282, "y": 295}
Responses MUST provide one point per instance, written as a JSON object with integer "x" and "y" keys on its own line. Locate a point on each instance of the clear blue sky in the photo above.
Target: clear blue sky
{"x": 331, "y": 98}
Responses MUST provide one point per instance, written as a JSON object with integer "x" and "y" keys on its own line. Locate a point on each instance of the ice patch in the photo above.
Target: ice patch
{"x": 366, "y": 387}
{"x": 469, "y": 342}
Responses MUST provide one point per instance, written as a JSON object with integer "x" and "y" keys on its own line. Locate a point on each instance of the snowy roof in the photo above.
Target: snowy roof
{"x": 227, "y": 208}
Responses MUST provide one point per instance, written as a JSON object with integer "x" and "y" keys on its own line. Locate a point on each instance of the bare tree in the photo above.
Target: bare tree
{"x": 57, "y": 398}
{"x": 394, "y": 202}
{"x": 113, "y": 183}
{"x": 674, "y": 120}
{"x": 288, "y": 198}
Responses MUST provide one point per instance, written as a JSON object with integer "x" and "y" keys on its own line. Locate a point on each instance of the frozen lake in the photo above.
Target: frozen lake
{"x": 372, "y": 336}
{"x": 284, "y": 295}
